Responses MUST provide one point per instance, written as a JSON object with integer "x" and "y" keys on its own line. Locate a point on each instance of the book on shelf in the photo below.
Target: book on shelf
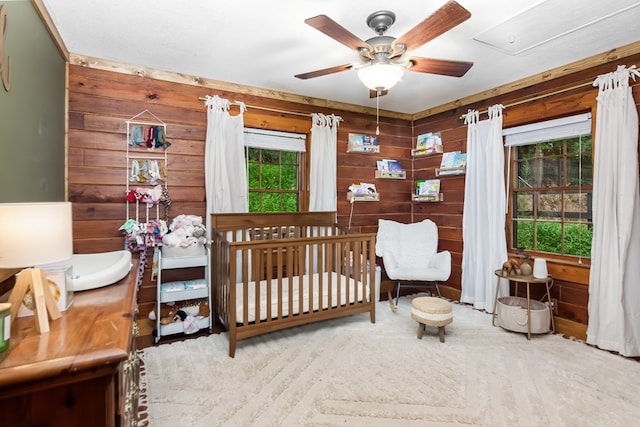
{"x": 389, "y": 165}
{"x": 362, "y": 189}
{"x": 358, "y": 139}
{"x": 429, "y": 143}
{"x": 452, "y": 162}
{"x": 427, "y": 187}
{"x": 363, "y": 143}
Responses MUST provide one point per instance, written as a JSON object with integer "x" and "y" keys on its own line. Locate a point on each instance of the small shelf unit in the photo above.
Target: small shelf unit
{"x": 174, "y": 296}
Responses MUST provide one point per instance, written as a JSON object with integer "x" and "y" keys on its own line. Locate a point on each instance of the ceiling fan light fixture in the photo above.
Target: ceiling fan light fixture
{"x": 380, "y": 76}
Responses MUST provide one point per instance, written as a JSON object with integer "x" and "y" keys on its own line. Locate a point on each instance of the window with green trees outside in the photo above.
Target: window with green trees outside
{"x": 273, "y": 180}
{"x": 551, "y": 195}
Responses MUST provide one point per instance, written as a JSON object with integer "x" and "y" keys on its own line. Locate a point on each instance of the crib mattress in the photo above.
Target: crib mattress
{"x": 329, "y": 280}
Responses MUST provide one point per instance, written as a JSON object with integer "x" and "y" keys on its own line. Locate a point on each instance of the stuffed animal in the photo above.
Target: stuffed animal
{"x": 178, "y": 312}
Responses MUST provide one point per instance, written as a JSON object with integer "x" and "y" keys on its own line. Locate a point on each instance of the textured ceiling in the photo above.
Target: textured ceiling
{"x": 264, "y": 43}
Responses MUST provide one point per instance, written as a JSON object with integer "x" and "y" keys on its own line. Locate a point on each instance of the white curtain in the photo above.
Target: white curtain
{"x": 614, "y": 293}
{"x": 322, "y": 174}
{"x": 224, "y": 169}
{"x": 483, "y": 219}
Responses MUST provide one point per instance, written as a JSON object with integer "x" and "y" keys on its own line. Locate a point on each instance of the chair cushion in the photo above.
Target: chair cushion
{"x": 406, "y": 239}
{"x": 409, "y": 251}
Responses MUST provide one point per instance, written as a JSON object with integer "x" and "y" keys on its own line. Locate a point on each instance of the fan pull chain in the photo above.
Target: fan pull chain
{"x": 378, "y": 111}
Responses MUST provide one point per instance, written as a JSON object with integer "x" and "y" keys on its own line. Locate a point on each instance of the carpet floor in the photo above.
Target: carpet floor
{"x": 350, "y": 372}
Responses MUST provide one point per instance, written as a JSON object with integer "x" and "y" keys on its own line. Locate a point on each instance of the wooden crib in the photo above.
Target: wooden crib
{"x": 278, "y": 270}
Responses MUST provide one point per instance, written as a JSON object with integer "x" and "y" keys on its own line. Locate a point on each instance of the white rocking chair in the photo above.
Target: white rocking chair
{"x": 410, "y": 254}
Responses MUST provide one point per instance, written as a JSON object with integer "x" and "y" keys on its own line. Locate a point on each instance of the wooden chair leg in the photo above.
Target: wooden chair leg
{"x": 421, "y": 327}
{"x": 441, "y": 333}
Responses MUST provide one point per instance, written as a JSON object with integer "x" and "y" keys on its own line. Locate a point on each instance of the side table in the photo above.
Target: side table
{"x": 528, "y": 280}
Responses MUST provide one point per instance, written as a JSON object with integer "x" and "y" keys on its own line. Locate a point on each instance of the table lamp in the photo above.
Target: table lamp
{"x": 34, "y": 234}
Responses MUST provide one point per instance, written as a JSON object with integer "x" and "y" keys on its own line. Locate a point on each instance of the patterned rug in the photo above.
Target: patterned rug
{"x": 350, "y": 372}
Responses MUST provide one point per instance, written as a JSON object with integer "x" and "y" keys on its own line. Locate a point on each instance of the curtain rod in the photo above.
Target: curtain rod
{"x": 273, "y": 110}
{"x": 535, "y": 98}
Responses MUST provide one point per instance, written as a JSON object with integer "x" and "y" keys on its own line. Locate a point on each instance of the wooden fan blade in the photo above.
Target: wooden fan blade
{"x": 440, "y": 66}
{"x": 324, "y": 72}
{"x": 336, "y": 31}
{"x": 374, "y": 93}
{"x": 441, "y": 21}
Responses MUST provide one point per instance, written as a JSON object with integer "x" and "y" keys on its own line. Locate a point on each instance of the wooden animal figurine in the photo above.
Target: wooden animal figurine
{"x": 511, "y": 266}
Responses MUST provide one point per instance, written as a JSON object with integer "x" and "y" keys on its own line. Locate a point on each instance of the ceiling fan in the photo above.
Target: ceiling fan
{"x": 383, "y": 58}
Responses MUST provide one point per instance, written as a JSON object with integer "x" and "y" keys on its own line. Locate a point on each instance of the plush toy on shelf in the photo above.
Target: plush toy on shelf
{"x": 178, "y": 312}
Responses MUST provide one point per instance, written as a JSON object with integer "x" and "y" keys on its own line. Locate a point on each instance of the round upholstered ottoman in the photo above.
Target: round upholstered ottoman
{"x": 431, "y": 311}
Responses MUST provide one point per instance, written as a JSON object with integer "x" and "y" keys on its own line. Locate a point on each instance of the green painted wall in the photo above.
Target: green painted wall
{"x": 32, "y": 149}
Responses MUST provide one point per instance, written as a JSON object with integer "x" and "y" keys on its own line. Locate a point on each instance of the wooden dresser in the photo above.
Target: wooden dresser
{"x": 84, "y": 372}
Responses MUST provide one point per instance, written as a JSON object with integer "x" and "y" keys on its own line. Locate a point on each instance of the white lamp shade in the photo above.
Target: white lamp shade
{"x": 380, "y": 76}
{"x": 35, "y": 233}
{"x": 540, "y": 268}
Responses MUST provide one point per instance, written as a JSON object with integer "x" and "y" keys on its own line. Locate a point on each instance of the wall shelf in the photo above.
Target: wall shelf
{"x": 427, "y": 197}
{"x": 369, "y": 197}
{"x": 391, "y": 175}
{"x": 424, "y": 152}
{"x": 450, "y": 171}
{"x": 363, "y": 148}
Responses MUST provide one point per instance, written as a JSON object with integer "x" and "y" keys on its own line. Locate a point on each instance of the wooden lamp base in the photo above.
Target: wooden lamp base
{"x": 45, "y": 307}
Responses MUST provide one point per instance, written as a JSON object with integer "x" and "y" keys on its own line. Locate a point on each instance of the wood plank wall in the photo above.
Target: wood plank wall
{"x": 101, "y": 101}
{"x": 538, "y": 102}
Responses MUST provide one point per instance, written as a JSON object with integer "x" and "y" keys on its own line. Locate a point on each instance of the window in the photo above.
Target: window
{"x": 551, "y": 186}
{"x": 276, "y": 170}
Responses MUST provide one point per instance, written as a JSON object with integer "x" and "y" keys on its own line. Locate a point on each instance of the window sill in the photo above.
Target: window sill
{"x": 567, "y": 270}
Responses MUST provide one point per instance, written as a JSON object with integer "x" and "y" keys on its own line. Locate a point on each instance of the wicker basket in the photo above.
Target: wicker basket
{"x": 512, "y": 315}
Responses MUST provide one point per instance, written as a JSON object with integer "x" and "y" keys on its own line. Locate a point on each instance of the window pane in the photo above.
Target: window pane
{"x": 527, "y": 177}
{"x": 577, "y": 206}
{"x": 552, "y": 172}
{"x": 548, "y": 237}
{"x": 523, "y": 205}
{"x": 574, "y": 164}
{"x": 577, "y": 239}
{"x": 271, "y": 156}
{"x": 253, "y": 154}
{"x": 289, "y": 158}
{"x": 551, "y": 147}
{"x": 254, "y": 175}
{"x": 271, "y": 202}
{"x": 289, "y": 178}
{"x": 526, "y": 152}
{"x": 290, "y": 202}
{"x": 270, "y": 177}
{"x": 549, "y": 204}
{"x": 579, "y": 144}
{"x": 254, "y": 202}
{"x": 523, "y": 234}
{"x": 587, "y": 169}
